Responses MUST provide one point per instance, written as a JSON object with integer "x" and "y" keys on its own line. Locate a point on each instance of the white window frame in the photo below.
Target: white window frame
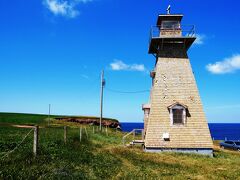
{"x": 178, "y": 106}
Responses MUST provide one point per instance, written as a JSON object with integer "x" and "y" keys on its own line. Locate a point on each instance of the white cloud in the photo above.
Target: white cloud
{"x": 83, "y": 1}
{"x": 84, "y": 76}
{"x": 200, "y": 39}
{"x": 119, "y": 65}
{"x": 137, "y": 67}
{"x": 64, "y": 8}
{"x": 228, "y": 65}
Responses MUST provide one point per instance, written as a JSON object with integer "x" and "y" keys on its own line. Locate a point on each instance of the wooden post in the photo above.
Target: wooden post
{"x": 35, "y": 141}
{"x": 65, "y": 134}
{"x": 80, "y": 133}
{"x": 49, "y": 112}
{"x": 86, "y": 132}
{"x": 106, "y": 130}
{"x": 134, "y": 134}
{"x": 93, "y": 129}
{"x": 101, "y": 100}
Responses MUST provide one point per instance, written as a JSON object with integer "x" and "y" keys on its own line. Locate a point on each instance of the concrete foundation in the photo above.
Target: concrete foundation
{"x": 201, "y": 151}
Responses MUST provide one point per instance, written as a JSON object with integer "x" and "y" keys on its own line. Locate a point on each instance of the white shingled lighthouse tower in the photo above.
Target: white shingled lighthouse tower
{"x": 174, "y": 119}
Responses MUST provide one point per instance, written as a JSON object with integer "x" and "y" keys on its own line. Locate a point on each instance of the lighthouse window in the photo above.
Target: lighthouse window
{"x": 177, "y": 116}
{"x": 170, "y": 25}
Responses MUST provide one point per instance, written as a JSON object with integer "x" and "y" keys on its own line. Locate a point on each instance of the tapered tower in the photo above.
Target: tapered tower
{"x": 174, "y": 119}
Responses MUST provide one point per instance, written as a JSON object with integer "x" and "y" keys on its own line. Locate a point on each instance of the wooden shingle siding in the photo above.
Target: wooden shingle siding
{"x": 174, "y": 82}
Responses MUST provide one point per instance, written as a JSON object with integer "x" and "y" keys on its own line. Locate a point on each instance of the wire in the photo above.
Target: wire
{"x": 127, "y": 92}
{"x": 9, "y": 152}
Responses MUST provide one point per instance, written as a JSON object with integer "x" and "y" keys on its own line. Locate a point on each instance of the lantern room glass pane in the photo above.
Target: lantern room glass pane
{"x": 170, "y": 25}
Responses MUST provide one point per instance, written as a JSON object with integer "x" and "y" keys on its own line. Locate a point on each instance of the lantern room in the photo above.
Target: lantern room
{"x": 169, "y": 30}
{"x": 170, "y": 25}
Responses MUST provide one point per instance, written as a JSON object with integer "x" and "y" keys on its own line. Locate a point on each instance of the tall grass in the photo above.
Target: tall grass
{"x": 55, "y": 158}
{"x": 101, "y": 156}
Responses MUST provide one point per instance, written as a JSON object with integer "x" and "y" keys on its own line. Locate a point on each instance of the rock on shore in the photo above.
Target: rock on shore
{"x": 112, "y": 123}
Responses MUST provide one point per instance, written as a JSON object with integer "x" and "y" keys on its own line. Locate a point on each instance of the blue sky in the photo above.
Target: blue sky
{"x": 52, "y": 51}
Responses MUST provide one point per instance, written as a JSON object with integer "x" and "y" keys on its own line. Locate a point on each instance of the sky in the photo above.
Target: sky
{"x": 52, "y": 52}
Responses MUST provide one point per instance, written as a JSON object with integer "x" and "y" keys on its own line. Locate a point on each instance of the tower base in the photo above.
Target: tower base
{"x": 201, "y": 151}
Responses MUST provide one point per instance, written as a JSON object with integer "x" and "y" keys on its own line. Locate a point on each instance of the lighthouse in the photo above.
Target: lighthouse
{"x": 174, "y": 119}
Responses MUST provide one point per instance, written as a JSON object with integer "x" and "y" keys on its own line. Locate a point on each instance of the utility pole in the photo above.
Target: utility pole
{"x": 101, "y": 98}
{"x": 49, "y": 112}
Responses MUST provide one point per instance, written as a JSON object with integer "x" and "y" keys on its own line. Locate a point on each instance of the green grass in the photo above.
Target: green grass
{"x": 21, "y": 118}
{"x": 56, "y": 159}
{"x": 40, "y": 119}
{"x": 101, "y": 156}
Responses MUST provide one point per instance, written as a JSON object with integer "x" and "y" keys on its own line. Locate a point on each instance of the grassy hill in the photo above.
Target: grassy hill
{"x": 22, "y": 118}
{"x": 41, "y": 119}
{"x": 100, "y": 155}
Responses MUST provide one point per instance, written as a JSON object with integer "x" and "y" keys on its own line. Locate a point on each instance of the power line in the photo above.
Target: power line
{"x": 127, "y": 92}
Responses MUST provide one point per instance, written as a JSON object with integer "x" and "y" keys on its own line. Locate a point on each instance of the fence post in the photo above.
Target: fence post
{"x": 35, "y": 141}
{"x": 106, "y": 130}
{"x": 134, "y": 134}
{"x": 80, "y": 133}
{"x": 65, "y": 134}
{"x": 93, "y": 129}
{"x": 86, "y": 132}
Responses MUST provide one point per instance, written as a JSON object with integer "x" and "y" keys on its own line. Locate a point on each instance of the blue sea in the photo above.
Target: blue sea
{"x": 219, "y": 131}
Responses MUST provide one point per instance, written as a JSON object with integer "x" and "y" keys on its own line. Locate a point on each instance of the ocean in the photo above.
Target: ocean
{"x": 219, "y": 131}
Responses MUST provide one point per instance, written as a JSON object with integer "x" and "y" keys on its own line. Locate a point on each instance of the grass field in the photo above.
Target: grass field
{"x": 31, "y": 119}
{"x": 101, "y": 156}
{"x": 21, "y": 118}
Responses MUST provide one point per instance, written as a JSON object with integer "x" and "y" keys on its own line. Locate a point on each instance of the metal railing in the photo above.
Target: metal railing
{"x": 183, "y": 31}
{"x": 137, "y": 134}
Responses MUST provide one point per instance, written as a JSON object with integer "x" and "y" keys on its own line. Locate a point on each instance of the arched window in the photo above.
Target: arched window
{"x": 177, "y": 114}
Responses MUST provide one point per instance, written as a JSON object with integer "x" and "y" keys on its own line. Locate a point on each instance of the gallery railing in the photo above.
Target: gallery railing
{"x": 183, "y": 31}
